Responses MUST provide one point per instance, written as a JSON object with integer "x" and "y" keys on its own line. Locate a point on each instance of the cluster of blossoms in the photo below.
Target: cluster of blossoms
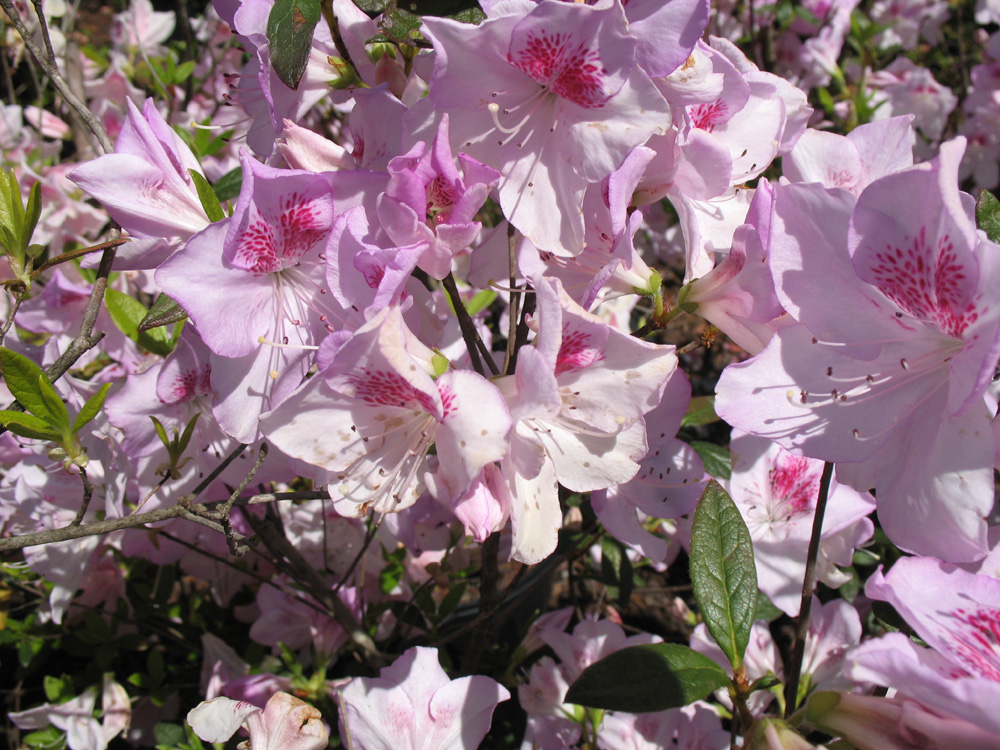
{"x": 423, "y": 303}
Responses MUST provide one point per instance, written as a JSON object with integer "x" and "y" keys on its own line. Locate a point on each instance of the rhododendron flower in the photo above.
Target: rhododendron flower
{"x": 76, "y": 716}
{"x": 957, "y": 614}
{"x": 285, "y": 723}
{"x": 372, "y": 415}
{"x": 776, "y": 492}
{"x": 577, "y": 399}
{"x": 251, "y": 285}
{"x": 549, "y": 94}
{"x": 413, "y": 705}
{"x": 894, "y": 390}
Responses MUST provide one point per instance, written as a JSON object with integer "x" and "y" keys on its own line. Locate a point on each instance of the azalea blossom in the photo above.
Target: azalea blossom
{"x": 414, "y": 705}
{"x": 894, "y": 390}
{"x": 285, "y": 723}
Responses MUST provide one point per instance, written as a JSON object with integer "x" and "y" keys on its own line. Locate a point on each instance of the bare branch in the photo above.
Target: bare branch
{"x": 138, "y": 520}
{"x": 48, "y": 64}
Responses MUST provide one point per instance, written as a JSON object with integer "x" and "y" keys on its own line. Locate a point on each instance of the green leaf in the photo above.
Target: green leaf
{"x": 290, "y": 29}
{"x": 163, "y": 312}
{"x": 128, "y": 313}
{"x": 700, "y": 411}
{"x": 91, "y": 409}
{"x": 170, "y": 735}
{"x": 723, "y": 572}
{"x": 160, "y": 432}
{"x": 988, "y": 214}
{"x": 766, "y": 609}
{"x": 481, "y": 301}
{"x": 31, "y": 214}
{"x": 652, "y": 677}
{"x": 229, "y": 185}
{"x": 766, "y": 682}
{"x": 209, "y": 200}
{"x": 185, "y": 437}
{"x": 616, "y": 568}
{"x": 30, "y": 386}
{"x": 717, "y": 460}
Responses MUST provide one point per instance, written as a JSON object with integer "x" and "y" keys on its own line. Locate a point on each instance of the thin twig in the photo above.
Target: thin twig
{"x": 49, "y": 66}
{"x": 512, "y": 311}
{"x": 275, "y": 540}
{"x": 808, "y": 584}
{"x": 88, "y": 493}
{"x": 136, "y": 520}
{"x": 473, "y": 342}
{"x": 67, "y": 256}
{"x": 18, "y": 298}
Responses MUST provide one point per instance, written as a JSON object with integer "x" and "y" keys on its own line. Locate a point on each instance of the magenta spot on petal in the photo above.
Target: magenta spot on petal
{"x": 441, "y": 199}
{"x": 925, "y": 284}
{"x": 379, "y": 387}
{"x": 707, "y": 116}
{"x": 794, "y": 484}
{"x": 977, "y": 645}
{"x": 572, "y": 73}
{"x": 576, "y": 352}
{"x": 447, "y": 400}
{"x": 301, "y": 225}
{"x": 256, "y": 249}
{"x": 192, "y": 383}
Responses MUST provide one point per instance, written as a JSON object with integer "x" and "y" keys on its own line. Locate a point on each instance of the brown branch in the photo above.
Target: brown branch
{"x": 138, "y": 520}
{"x": 88, "y": 493}
{"x": 48, "y": 64}
{"x": 473, "y": 342}
{"x": 808, "y": 584}
{"x": 274, "y": 539}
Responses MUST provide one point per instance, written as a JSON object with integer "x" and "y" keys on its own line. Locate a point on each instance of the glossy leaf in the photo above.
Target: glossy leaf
{"x": 652, "y": 677}
{"x": 163, "y": 312}
{"x": 723, "y": 572}
{"x": 128, "y": 313}
{"x": 700, "y": 411}
{"x": 717, "y": 461}
{"x": 988, "y": 214}
{"x": 290, "y": 28}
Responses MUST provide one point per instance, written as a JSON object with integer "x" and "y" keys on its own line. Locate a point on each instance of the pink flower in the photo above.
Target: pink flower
{"x": 285, "y": 723}
{"x": 413, "y": 705}
{"x": 552, "y": 98}
{"x": 958, "y": 615}
{"x": 894, "y": 390}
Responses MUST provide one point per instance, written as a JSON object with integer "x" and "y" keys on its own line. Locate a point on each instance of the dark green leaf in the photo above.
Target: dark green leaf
{"x": 450, "y": 8}
{"x": 766, "y": 609}
{"x": 290, "y": 29}
{"x": 700, "y": 411}
{"x": 209, "y": 200}
{"x": 451, "y": 600}
{"x": 766, "y": 682}
{"x": 228, "y": 186}
{"x": 91, "y": 409}
{"x": 170, "y": 735}
{"x": 653, "y": 677}
{"x": 616, "y": 568}
{"x": 988, "y": 214}
{"x": 163, "y": 312}
{"x": 127, "y": 313}
{"x": 723, "y": 572}
{"x": 30, "y": 386}
{"x": 718, "y": 462}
